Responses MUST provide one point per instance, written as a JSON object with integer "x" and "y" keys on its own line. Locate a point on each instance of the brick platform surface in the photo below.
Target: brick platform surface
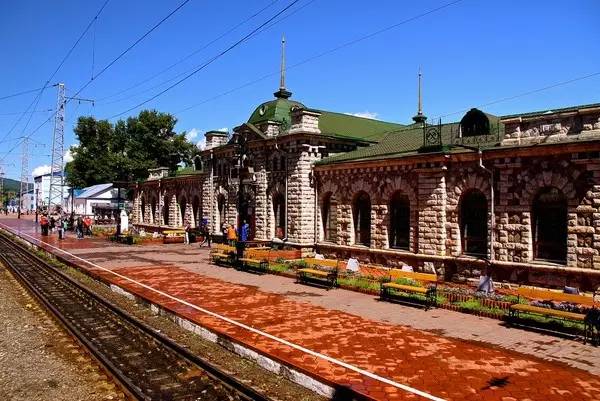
{"x": 342, "y": 337}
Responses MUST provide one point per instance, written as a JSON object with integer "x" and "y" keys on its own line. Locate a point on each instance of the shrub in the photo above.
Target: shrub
{"x": 279, "y": 267}
{"x": 300, "y": 264}
{"x": 358, "y": 282}
{"x": 407, "y": 281}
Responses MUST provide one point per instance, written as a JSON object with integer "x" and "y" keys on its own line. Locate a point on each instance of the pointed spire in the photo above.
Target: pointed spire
{"x": 282, "y": 93}
{"x": 420, "y": 117}
{"x": 282, "y": 70}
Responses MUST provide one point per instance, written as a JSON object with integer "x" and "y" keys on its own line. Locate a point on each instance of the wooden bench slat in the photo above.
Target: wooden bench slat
{"x": 535, "y": 293}
{"x": 397, "y": 273}
{"x": 248, "y": 260}
{"x": 322, "y": 262}
{"x": 315, "y": 272}
{"x": 548, "y": 311}
{"x": 410, "y": 288}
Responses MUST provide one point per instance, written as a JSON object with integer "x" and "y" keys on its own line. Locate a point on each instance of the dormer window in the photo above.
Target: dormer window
{"x": 474, "y": 123}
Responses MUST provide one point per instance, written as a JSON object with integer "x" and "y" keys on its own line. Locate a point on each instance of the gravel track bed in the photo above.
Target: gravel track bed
{"x": 244, "y": 370}
{"x": 38, "y": 359}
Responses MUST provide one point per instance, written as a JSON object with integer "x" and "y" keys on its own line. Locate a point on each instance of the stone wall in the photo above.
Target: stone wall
{"x": 581, "y": 124}
{"x": 436, "y": 192}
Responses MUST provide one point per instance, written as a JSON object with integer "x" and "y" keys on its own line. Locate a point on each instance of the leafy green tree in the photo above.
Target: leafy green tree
{"x": 127, "y": 149}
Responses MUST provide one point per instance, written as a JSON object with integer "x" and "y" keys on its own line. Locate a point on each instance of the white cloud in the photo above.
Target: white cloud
{"x": 201, "y": 144}
{"x": 192, "y": 134}
{"x": 225, "y": 129}
{"x": 40, "y": 170}
{"x": 364, "y": 114}
{"x": 68, "y": 157}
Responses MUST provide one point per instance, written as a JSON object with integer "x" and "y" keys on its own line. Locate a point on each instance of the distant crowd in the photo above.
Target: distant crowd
{"x": 61, "y": 223}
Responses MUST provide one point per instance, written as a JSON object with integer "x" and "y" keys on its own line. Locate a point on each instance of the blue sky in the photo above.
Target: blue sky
{"x": 471, "y": 53}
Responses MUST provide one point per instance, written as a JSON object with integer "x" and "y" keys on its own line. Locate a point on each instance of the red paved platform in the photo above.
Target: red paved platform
{"x": 384, "y": 361}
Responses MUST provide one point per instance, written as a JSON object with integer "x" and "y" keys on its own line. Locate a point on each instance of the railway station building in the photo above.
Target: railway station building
{"x": 519, "y": 194}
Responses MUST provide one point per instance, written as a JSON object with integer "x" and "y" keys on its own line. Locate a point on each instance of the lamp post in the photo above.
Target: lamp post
{"x": 241, "y": 155}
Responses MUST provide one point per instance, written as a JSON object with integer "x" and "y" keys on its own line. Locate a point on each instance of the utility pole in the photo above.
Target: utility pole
{"x": 24, "y": 175}
{"x": 55, "y": 194}
{"x": 1, "y": 188}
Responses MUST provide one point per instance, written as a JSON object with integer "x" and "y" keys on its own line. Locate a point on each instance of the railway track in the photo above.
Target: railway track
{"x": 148, "y": 365}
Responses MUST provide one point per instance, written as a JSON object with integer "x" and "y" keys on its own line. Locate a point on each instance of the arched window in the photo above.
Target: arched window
{"x": 182, "y": 210}
{"x": 196, "y": 211}
{"x": 549, "y": 225}
{"x": 329, "y": 218}
{"x": 399, "y": 234}
{"x": 221, "y": 210}
{"x": 282, "y": 163}
{"x": 474, "y": 123}
{"x": 361, "y": 214}
{"x": 197, "y": 163}
{"x": 165, "y": 211}
{"x": 152, "y": 210}
{"x": 279, "y": 215}
{"x": 473, "y": 223}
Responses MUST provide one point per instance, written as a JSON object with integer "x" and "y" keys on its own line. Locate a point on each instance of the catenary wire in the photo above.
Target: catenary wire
{"x": 189, "y": 70}
{"x": 64, "y": 59}
{"x": 213, "y": 59}
{"x": 102, "y": 71}
{"x": 190, "y": 55}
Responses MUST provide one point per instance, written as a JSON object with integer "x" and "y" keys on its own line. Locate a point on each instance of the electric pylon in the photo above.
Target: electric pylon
{"x": 55, "y": 194}
{"x": 24, "y": 174}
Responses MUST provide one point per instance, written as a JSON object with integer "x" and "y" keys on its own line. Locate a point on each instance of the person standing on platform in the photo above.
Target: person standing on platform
{"x": 187, "y": 228}
{"x": 52, "y": 223}
{"x": 87, "y": 223}
{"x": 65, "y": 226}
{"x": 206, "y": 231}
{"x": 244, "y": 231}
{"x": 60, "y": 228}
{"x": 231, "y": 235}
{"x": 44, "y": 225}
{"x": 79, "y": 227}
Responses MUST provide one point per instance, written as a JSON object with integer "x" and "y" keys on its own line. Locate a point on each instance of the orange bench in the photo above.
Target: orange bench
{"x": 548, "y": 295}
{"x": 429, "y": 289}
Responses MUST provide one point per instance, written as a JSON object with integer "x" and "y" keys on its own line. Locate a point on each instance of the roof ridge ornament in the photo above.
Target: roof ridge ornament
{"x": 282, "y": 93}
{"x": 420, "y": 117}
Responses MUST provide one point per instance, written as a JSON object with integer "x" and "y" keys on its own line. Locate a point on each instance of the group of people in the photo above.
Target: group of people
{"x": 60, "y": 223}
{"x": 202, "y": 230}
{"x": 233, "y": 234}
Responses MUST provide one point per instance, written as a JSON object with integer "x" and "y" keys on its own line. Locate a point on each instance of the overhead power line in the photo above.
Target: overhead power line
{"x": 213, "y": 59}
{"x": 124, "y": 52}
{"x": 190, "y": 55}
{"x": 22, "y": 93}
{"x": 66, "y": 56}
{"x": 110, "y": 64}
{"x": 332, "y": 50}
{"x": 14, "y": 113}
{"x": 273, "y": 23}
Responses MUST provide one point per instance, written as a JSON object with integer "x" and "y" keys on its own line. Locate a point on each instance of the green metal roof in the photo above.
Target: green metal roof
{"x": 345, "y": 125}
{"x": 275, "y": 110}
{"x": 330, "y": 123}
{"x": 408, "y": 141}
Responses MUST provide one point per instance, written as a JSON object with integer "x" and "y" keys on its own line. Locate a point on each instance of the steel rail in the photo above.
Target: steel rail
{"x": 35, "y": 273}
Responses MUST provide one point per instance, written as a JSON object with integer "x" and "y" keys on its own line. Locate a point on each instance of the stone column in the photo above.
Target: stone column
{"x": 432, "y": 214}
{"x": 261, "y": 206}
{"x": 301, "y": 196}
